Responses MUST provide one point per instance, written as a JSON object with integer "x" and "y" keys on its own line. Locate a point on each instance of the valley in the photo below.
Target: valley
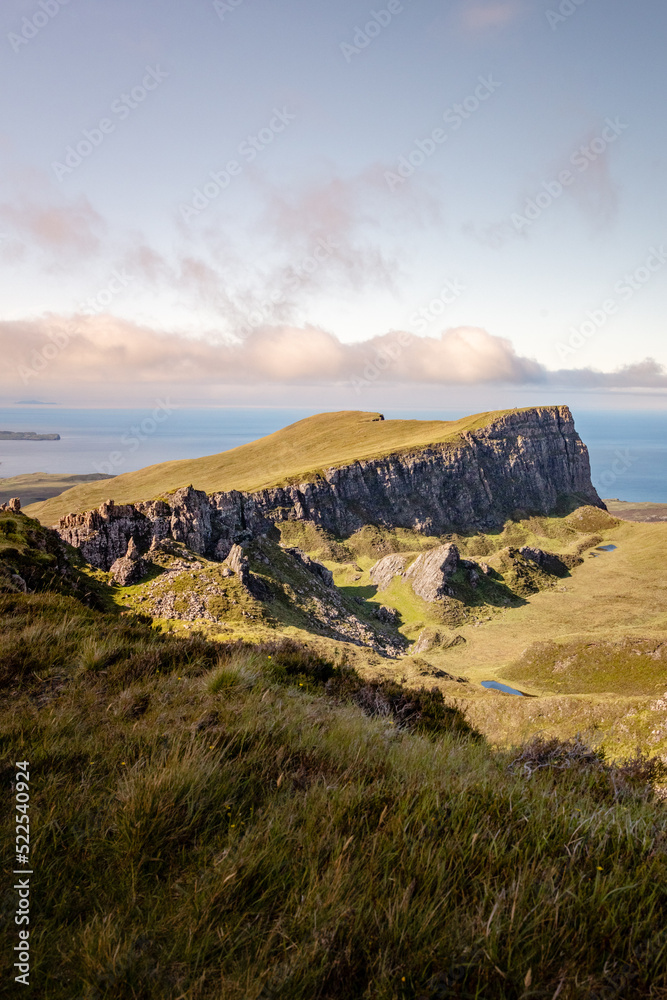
{"x": 401, "y": 720}
{"x": 307, "y": 554}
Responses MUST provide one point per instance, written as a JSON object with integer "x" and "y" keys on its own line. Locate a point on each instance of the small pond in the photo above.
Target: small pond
{"x": 602, "y": 548}
{"x": 497, "y": 686}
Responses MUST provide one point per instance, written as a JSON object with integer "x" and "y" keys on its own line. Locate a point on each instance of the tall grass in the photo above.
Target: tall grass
{"x": 266, "y": 838}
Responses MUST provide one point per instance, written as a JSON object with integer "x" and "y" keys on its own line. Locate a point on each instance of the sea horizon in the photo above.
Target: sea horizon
{"x": 628, "y": 449}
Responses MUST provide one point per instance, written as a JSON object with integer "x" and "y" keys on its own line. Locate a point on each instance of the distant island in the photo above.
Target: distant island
{"x": 27, "y": 436}
{"x": 33, "y": 402}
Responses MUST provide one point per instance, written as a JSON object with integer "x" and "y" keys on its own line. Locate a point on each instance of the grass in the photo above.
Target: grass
{"x": 589, "y": 645}
{"x": 220, "y": 821}
{"x": 298, "y": 453}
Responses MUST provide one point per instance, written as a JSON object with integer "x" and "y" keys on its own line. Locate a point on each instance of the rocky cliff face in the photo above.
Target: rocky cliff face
{"x": 523, "y": 461}
{"x": 210, "y": 526}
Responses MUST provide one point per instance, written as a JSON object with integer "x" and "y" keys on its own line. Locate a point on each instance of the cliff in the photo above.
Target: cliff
{"x": 523, "y": 460}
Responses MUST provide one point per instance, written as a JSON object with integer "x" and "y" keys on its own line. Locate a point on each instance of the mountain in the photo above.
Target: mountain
{"x": 344, "y": 470}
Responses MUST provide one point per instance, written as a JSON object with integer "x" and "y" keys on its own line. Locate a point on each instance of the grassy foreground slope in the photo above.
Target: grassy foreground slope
{"x": 234, "y": 823}
{"x": 294, "y": 454}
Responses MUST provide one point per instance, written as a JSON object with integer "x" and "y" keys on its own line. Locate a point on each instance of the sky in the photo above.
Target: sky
{"x": 344, "y": 204}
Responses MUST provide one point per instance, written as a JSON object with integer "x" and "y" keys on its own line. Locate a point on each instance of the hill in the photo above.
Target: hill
{"x": 294, "y": 454}
{"x": 259, "y": 822}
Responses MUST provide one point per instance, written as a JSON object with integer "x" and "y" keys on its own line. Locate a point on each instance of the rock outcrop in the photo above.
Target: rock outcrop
{"x": 547, "y": 561}
{"x": 325, "y": 575}
{"x": 430, "y": 572}
{"x": 130, "y": 568}
{"x": 523, "y": 460}
{"x": 430, "y": 638}
{"x": 385, "y": 569}
{"x": 13, "y": 505}
{"x": 237, "y": 561}
{"x": 209, "y": 526}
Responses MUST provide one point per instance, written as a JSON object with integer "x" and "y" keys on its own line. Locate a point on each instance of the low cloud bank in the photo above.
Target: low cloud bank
{"x": 102, "y": 349}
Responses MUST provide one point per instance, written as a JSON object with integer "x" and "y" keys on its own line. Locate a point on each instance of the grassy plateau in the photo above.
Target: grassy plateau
{"x": 297, "y": 453}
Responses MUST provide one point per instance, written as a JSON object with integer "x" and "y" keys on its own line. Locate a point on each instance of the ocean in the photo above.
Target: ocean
{"x": 628, "y": 449}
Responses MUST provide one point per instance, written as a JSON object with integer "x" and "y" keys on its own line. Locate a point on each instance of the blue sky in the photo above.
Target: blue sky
{"x": 481, "y": 178}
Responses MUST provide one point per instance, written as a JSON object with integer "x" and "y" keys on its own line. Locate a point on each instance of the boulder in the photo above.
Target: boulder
{"x": 430, "y": 572}
{"x": 385, "y": 569}
{"x": 472, "y": 569}
{"x": 547, "y": 561}
{"x": 389, "y": 616}
{"x": 430, "y": 638}
{"x": 237, "y": 561}
{"x": 325, "y": 575}
{"x": 19, "y": 583}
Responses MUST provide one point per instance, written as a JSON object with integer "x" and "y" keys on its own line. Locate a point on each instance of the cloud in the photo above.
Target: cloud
{"x": 591, "y": 187}
{"x": 646, "y": 374}
{"x": 72, "y": 227}
{"x": 332, "y": 236}
{"x": 478, "y": 16}
{"x": 99, "y": 350}
{"x": 463, "y": 355}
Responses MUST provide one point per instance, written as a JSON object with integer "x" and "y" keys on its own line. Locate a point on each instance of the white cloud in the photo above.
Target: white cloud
{"x": 98, "y": 350}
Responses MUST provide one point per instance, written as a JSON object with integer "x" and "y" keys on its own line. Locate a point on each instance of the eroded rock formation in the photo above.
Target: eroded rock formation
{"x": 430, "y": 572}
{"x": 130, "y": 568}
{"x": 385, "y": 569}
{"x": 325, "y": 575}
{"x": 523, "y": 461}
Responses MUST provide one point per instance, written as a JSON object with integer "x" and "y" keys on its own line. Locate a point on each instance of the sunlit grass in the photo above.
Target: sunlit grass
{"x": 227, "y": 822}
{"x": 298, "y": 453}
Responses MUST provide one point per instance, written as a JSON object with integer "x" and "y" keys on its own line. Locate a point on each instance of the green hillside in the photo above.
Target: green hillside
{"x": 212, "y": 820}
{"x": 294, "y": 454}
